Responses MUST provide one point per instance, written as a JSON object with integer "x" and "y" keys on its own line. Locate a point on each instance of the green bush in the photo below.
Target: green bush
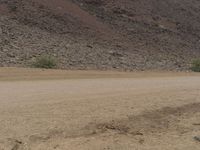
{"x": 196, "y": 65}
{"x": 45, "y": 61}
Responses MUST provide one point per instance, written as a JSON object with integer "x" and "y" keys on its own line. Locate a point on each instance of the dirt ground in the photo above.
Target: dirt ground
{"x": 79, "y": 110}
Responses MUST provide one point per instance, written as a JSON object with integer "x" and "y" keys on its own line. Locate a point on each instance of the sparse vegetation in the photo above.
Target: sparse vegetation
{"x": 196, "y": 65}
{"x": 13, "y": 7}
{"x": 45, "y": 61}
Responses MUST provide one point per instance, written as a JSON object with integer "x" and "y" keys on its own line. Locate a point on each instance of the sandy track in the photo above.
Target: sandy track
{"x": 98, "y": 110}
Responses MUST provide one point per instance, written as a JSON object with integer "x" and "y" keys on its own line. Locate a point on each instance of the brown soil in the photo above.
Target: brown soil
{"x": 98, "y": 110}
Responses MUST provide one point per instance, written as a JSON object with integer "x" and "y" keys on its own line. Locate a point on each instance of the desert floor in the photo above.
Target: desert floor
{"x": 98, "y": 110}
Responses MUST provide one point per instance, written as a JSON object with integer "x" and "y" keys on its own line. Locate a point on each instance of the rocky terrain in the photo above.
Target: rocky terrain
{"x": 101, "y": 34}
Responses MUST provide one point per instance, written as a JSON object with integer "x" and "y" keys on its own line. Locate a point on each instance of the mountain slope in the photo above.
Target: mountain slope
{"x": 101, "y": 34}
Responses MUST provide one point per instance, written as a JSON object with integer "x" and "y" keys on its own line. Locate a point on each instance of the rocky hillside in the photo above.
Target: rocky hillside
{"x": 101, "y": 34}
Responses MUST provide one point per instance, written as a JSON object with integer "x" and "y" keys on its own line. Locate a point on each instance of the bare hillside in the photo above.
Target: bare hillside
{"x": 101, "y": 34}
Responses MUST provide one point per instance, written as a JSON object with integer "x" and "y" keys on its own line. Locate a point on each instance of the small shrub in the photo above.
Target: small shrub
{"x": 13, "y": 7}
{"x": 45, "y": 61}
{"x": 196, "y": 65}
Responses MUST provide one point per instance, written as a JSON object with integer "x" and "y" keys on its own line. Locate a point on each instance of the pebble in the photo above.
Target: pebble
{"x": 197, "y": 138}
{"x": 1, "y": 31}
